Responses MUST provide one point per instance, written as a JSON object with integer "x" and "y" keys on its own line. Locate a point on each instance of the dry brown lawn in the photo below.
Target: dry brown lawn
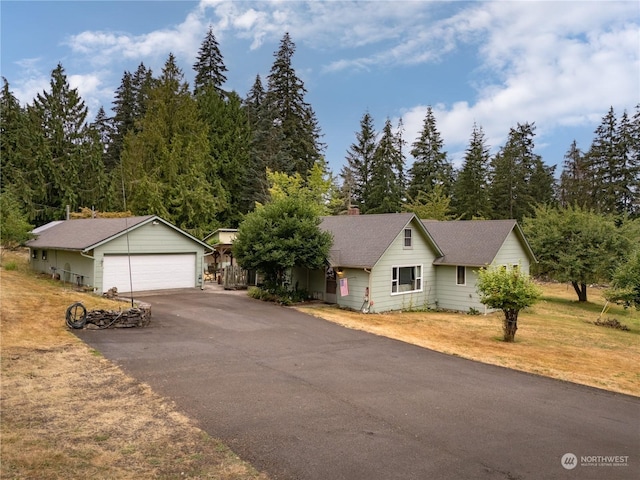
{"x": 68, "y": 413}
{"x": 555, "y": 338}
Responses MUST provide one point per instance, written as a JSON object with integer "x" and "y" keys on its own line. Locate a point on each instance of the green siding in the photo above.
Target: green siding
{"x": 58, "y": 259}
{"x": 149, "y": 239}
{"x": 451, "y": 296}
{"x": 458, "y": 297}
{"x": 397, "y": 255}
{"x": 358, "y": 282}
{"x": 513, "y": 253}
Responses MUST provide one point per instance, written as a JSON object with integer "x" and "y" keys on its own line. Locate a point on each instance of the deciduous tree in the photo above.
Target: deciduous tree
{"x": 509, "y": 290}
{"x": 575, "y": 245}
{"x": 280, "y": 235}
{"x": 14, "y": 228}
{"x": 625, "y": 285}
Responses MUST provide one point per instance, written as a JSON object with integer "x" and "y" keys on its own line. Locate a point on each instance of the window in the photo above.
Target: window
{"x": 34, "y": 254}
{"x": 44, "y": 254}
{"x": 407, "y": 238}
{"x": 461, "y": 275}
{"x": 406, "y": 279}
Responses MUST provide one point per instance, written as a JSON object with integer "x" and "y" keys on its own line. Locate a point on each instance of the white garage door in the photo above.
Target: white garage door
{"x": 149, "y": 272}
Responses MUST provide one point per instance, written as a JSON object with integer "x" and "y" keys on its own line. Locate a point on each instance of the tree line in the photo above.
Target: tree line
{"x": 201, "y": 157}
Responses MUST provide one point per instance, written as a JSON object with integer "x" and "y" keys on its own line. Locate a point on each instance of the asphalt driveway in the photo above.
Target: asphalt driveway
{"x": 302, "y": 398}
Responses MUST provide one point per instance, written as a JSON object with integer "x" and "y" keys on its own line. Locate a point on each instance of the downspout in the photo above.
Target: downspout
{"x": 368, "y": 297}
{"x": 82, "y": 254}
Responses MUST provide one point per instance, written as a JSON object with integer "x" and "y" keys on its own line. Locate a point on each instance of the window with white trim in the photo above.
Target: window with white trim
{"x": 407, "y": 238}
{"x": 406, "y": 279}
{"x": 461, "y": 275}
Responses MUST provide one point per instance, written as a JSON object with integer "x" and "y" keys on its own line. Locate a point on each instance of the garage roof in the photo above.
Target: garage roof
{"x": 87, "y": 233}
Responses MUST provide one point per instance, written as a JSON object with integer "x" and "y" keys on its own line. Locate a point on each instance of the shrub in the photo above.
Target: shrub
{"x": 10, "y": 265}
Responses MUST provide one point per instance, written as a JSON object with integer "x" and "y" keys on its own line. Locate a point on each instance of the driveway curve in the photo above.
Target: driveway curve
{"x": 302, "y": 398}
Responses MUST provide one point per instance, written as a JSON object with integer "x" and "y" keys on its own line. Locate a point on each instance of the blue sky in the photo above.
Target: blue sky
{"x": 559, "y": 64}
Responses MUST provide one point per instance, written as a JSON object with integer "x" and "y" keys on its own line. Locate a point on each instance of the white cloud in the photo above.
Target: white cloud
{"x": 555, "y": 64}
{"x": 102, "y": 48}
{"x": 31, "y": 82}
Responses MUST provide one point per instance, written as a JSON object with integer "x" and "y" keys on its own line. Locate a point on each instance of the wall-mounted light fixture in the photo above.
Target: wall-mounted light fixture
{"x": 339, "y": 272}
{"x": 155, "y": 222}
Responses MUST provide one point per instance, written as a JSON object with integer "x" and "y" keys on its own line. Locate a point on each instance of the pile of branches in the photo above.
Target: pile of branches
{"x": 611, "y": 323}
{"x": 78, "y": 317}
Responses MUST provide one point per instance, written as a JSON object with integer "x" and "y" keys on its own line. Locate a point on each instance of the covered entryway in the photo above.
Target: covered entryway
{"x": 149, "y": 272}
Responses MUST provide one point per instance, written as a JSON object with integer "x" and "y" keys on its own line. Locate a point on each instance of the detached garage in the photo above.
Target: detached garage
{"x": 132, "y": 254}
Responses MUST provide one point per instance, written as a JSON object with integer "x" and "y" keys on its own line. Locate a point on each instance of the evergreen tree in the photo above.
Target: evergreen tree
{"x": 262, "y": 146}
{"x": 542, "y": 183}
{"x": 229, "y": 138}
{"x": 19, "y": 173}
{"x": 386, "y": 175}
{"x": 165, "y": 162}
{"x": 430, "y": 167}
{"x": 628, "y": 202}
{"x": 142, "y": 82}
{"x": 356, "y": 174}
{"x": 209, "y": 66}
{"x": 575, "y": 179}
{"x": 293, "y": 121}
{"x": 70, "y": 157}
{"x": 605, "y": 162}
{"x": 471, "y": 197}
{"x": 123, "y": 120}
{"x": 512, "y": 169}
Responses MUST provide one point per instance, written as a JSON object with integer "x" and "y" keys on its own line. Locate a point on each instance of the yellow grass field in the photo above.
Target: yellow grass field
{"x": 68, "y": 413}
{"x": 555, "y": 337}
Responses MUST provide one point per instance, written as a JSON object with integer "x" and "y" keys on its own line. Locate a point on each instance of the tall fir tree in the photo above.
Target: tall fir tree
{"x": 356, "y": 174}
{"x": 209, "y": 66}
{"x": 614, "y": 165}
{"x": 386, "y": 174}
{"x": 605, "y": 161}
{"x": 165, "y": 162}
{"x": 628, "y": 202}
{"x": 575, "y": 179}
{"x": 634, "y": 155}
{"x": 142, "y": 81}
{"x": 292, "y": 119}
{"x": 262, "y": 145}
{"x": 512, "y": 170}
{"x": 124, "y": 119}
{"x": 471, "y": 189}
{"x": 71, "y": 159}
{"x": 20, "y": 176}
{"x": 229, "y": 141}
{"x": 430, "y": 166}
{"x": 542, "y": 183}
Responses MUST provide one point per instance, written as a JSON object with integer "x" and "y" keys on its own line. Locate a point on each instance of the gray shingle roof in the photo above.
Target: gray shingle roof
{"x": 82, "y": 234}
{"x": 472, "y": 242}
{"x": 360, "y": 240}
